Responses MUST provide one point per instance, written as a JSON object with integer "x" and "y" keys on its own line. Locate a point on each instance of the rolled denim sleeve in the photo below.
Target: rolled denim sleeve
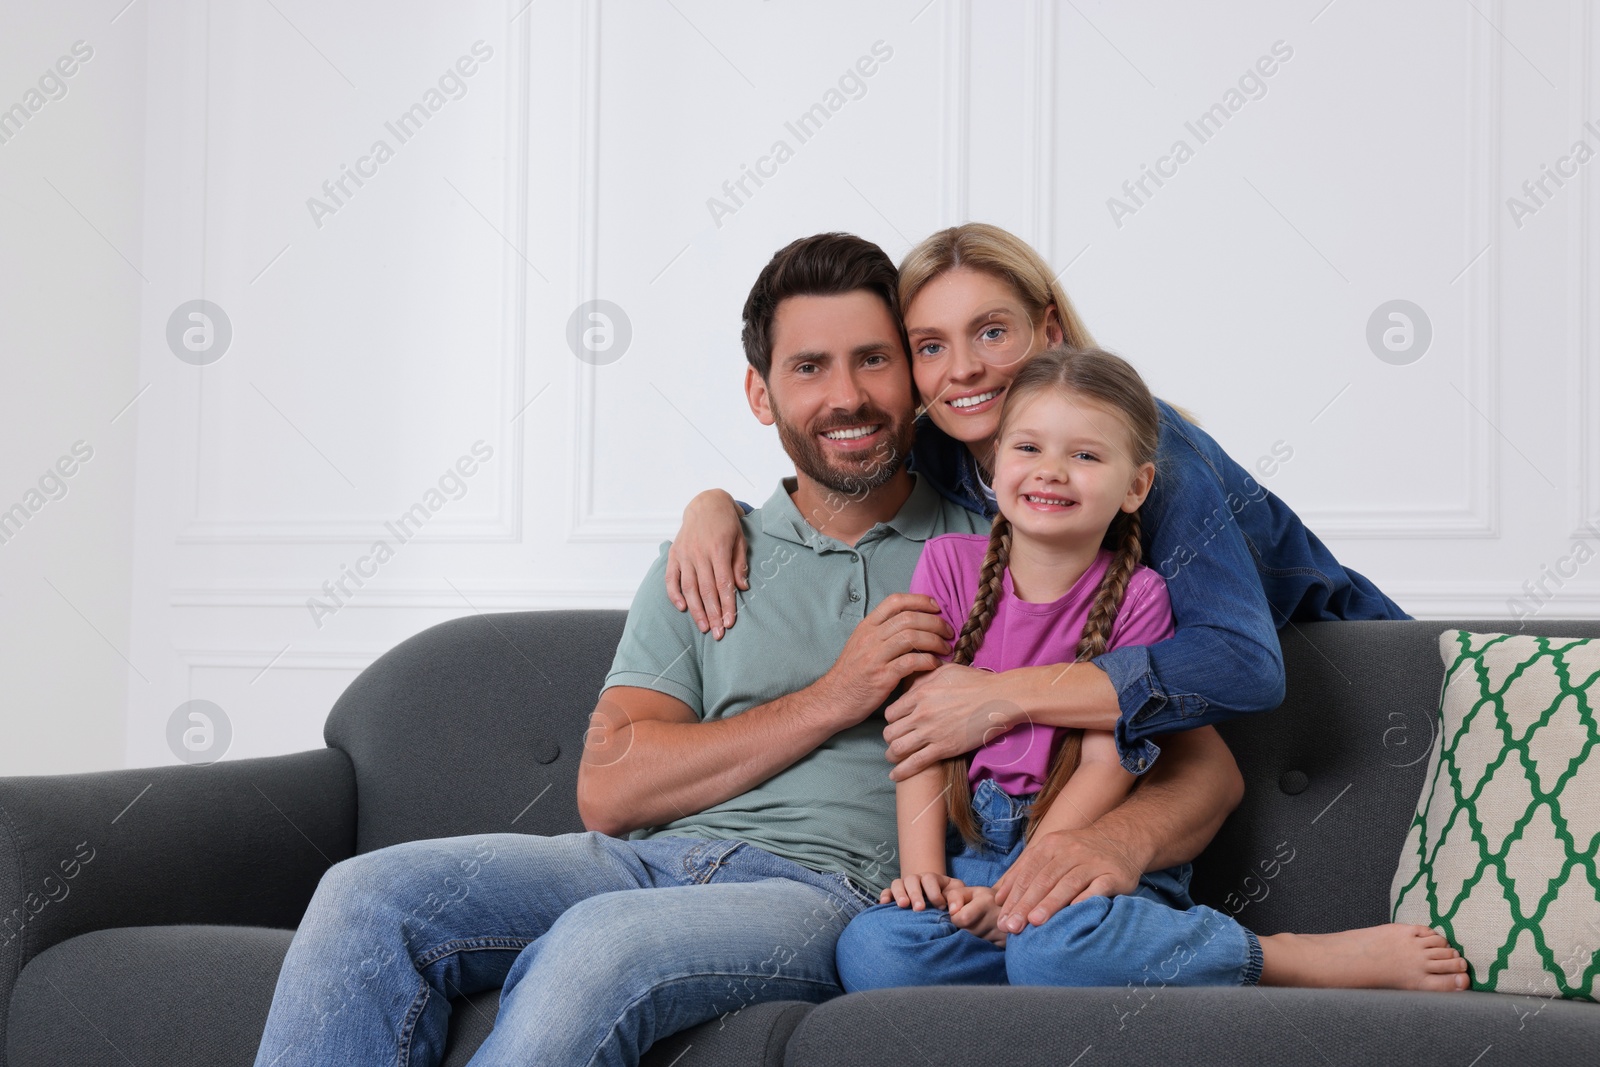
{"x": 1224, "y": 658}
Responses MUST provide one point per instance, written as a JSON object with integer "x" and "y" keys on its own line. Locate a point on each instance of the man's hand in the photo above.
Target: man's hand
{"x": 1061, "y": 868}
{"x": 903, "y": 635}
{"x": 919, "y": 890}
{"x": 944, "y": 713}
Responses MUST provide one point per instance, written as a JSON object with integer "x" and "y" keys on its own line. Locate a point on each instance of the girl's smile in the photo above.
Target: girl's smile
{"x": 1048, "y": 502}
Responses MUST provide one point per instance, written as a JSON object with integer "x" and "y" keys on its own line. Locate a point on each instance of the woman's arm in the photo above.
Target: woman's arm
{"x": 707, "y": 560}
{"x": 951, "y": 708}
{"x": 1224, "y": 659}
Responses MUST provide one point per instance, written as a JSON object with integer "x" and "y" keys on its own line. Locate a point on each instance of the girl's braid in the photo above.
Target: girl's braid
{"x": 1114, "y": 586}
{"x": 1124, "y": 534}
{"x": 991, "y": 581}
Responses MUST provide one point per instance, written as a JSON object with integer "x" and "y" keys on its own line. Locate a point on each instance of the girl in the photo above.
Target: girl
{"x": 1076, "y": 446}
{"x": 1075, "y": 457}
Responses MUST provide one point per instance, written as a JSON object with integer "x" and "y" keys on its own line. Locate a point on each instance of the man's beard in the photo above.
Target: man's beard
{"x": 854, "y": 475}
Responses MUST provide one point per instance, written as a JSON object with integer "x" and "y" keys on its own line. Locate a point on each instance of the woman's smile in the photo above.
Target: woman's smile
{"x": 974, "y": 402}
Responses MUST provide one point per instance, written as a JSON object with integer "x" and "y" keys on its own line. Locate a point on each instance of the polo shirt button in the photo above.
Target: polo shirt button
{"x": 854, "y": 595}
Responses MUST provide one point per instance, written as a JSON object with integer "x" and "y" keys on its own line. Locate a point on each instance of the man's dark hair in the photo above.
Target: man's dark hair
{"x": 829, "y": 264}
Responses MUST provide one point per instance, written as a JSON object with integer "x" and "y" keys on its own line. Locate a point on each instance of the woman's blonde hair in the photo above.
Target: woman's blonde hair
{"x": 1100, "y": 376}
{"x": 1001, "y": 254}
{"x": 982, "y": 247}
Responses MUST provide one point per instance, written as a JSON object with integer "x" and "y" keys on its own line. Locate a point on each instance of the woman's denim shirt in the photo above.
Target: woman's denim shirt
{"x": 1238, "y": 564}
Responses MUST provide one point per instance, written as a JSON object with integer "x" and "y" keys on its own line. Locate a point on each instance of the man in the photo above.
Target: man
{"x": 749, "y": 773}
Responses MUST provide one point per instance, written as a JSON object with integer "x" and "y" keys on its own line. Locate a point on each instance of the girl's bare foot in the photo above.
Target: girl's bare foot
{"x": 1392, "y": 956}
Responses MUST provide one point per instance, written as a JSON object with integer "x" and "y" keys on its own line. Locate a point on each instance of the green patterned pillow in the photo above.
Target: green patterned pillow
{"x": 1500, "y": 857}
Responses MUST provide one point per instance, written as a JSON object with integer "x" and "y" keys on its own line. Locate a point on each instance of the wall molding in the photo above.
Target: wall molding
{"x": 351, "y": 531}
{"x": 502, "y": 596}
{"x": 1583, "y": 325}
{"x": 648, "y": 527}
{"x": 1490, "y": 600}
{"x": 257, "y": 658}
{"x": 509, "y": 439}
{"x": 1479, "y": 516}
{"x": 955, "y": 119}
{"x": 588, "y": 525}
{"x": 1039, "y": 109}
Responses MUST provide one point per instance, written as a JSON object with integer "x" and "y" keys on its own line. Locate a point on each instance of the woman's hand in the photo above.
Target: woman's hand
{"x": 973, "y": 908}
{"x": 920, "y": 890}
{"x": 945, "y": 712}
{"x": 707, "y": 559}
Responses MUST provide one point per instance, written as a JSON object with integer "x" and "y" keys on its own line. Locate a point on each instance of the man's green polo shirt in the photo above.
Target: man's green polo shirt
{"x": 832, "y": 810}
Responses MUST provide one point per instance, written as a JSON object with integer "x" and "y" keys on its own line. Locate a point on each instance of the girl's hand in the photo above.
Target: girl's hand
{"x": 920, "y": 890}
{"x": 979, "y": 913}
{"x": 707, "y": 559}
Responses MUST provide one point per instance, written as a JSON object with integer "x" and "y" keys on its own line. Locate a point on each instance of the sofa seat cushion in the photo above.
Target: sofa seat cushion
{"x": 147, "y": 994}
{"x": 177, "y": 995}
{"x": 1222, "y": 1026}
{"x": 754, "y": 1037}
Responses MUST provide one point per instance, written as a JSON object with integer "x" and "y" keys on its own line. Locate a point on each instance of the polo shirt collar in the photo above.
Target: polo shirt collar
{"x": 917, "y": 519}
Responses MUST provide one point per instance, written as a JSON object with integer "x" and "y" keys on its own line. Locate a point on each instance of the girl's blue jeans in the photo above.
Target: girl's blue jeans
{"x": 1157, "y": 936}
{"x": 599, "y": 946}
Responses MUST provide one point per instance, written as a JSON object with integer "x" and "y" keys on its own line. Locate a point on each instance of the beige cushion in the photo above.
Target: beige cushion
{"x": 1500, "y": 857}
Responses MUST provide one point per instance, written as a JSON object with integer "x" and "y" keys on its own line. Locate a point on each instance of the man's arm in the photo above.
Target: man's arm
{"x": 1169, "y": 818}
{"x": 649, "y": 759}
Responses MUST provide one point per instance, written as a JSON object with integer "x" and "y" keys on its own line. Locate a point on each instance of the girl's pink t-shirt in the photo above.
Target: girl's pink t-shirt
{"x": 1023, "y": 634}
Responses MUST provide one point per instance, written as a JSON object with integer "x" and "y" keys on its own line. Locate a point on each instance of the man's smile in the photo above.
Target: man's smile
{"x": 852, "y": 438}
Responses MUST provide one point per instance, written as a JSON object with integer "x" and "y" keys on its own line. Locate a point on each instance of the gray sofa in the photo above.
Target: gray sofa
{"x": 163, "y": 947}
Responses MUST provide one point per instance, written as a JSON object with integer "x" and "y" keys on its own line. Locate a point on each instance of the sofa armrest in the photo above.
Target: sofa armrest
{"x": 240, "y": 842}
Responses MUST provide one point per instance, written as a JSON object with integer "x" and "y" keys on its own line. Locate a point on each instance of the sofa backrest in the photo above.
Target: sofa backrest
{"x": 476, "y": 726}
{"x": 1333, "y": 775}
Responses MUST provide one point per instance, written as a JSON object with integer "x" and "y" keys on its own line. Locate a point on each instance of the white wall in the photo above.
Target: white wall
{"x": 377, "y": 338}
{"x": 71, "y": 246}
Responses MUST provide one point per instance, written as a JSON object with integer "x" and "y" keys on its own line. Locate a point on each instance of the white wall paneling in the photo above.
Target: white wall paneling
{"x": 1477, "y": 516}
{"x": 602, "y": 64}
{"x": 427, "y": 308}
{"x": 1583, "y": 420}
{"x": 372, "y": 349}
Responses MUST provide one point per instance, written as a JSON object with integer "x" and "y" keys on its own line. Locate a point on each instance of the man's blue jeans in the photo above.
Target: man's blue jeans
{"x": 601, "y": 945}
{"x": 1156, "y": 936}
